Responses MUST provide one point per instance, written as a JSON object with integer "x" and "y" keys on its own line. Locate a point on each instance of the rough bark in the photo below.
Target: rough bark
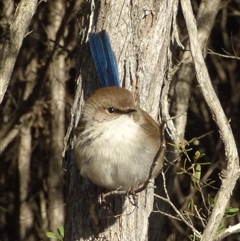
{"x": 31, "y": 133}
{"x": 57, "y": 77}
{"x": 140, "y": 37}
{"x": 17, "y": 32}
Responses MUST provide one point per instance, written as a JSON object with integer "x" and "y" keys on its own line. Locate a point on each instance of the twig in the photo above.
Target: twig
{"x": 10, "y": 136}
{"x": 164, "y": 106}
{"x": 167, "y": 199}
{"x": 167, "y": 214}
{"x": 175, "y": 34}
{"x": 199, "y": 216}
{"x": 222, "y": 55}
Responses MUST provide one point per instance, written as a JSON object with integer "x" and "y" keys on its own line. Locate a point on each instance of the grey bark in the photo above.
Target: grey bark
{"x": 57, "y": 77}
{"x": 140, "y": 37}
{"x": 205, "y": 21}
{"x": 11, "y": 47}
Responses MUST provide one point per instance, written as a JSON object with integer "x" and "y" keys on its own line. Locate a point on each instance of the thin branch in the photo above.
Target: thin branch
{"x": 9, "y": 138}
{"x": 228, "y": 56}
{"x": 175, "y": 34}
{"x": 205, "y": 21}
{"x": 164, "y": 105}
{"x": 229, "y": 231}
{"x": 167, "y": 199}
{"x": 11, "y": 47}
{"x": 167, "y": 214}
{"x": 199, "y": 216}
{"x": 233, "y": 171}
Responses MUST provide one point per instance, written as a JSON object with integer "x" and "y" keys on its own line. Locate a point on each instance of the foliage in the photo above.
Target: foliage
{"x": 59, "y": 235}
{"x": 26, "y": 117}
{"x": 192, "y": 167}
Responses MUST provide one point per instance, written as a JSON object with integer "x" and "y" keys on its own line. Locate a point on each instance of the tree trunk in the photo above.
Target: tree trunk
{"x": 24, "y": 160}
{"x": 57, "y": 76}
{"x": 140, "y": 37}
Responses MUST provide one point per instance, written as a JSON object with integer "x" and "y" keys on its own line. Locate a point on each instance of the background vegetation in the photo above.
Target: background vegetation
{"x": 35, "y": 114}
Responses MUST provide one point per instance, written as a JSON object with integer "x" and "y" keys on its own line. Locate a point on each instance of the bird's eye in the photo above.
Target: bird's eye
{"x": 110, "y": 110}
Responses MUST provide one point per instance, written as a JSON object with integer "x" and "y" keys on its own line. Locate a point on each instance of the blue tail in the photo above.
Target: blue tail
{"x": 104, "y": 59}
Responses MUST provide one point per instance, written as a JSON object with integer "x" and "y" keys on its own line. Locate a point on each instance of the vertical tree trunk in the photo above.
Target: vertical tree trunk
{"x": 24, "y": 160}
{"x": 140, "y": 37}
{"x": 57, "y": 77}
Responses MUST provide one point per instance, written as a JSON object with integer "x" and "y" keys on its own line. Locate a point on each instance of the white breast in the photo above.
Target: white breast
{"x": 120, "y": 156}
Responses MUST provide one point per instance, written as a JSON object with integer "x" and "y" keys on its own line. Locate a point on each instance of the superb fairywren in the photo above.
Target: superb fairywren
{"x": 116, "y": 141}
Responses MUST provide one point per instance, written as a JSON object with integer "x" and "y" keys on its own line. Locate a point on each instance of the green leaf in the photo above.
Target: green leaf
{"x": 209, "y": 184}
{"x": 60, "y": 230}
{"x": 220, "y": 228}
{"x": 192, "y": 237}
{"x": 195, "y": 178}
{"x": 190, "y": 205}
{"x": 198, "y": 155}
{"x": 179, "y": 173}
{"x": 54, "y": 235}
{"x": 198, "y": 172}
{"x": 230, "y": 212}
{"x": 204, "y": 163}
{"x": 51, "y": 235}
{"x": 192, "y": 140}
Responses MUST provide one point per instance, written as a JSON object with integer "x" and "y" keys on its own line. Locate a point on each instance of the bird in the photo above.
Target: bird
{"x": 116, "y": 141}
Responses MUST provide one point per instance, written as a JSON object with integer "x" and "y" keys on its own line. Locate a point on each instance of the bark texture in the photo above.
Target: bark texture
{"x": 18, "y": 30}
{"x": 44, "y": 46}
{"x": 141, "y": 52}
{"x": 57, "y": 78}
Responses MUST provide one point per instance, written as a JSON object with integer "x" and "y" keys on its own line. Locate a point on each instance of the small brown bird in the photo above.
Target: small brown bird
{"x": 116, "y": 141}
